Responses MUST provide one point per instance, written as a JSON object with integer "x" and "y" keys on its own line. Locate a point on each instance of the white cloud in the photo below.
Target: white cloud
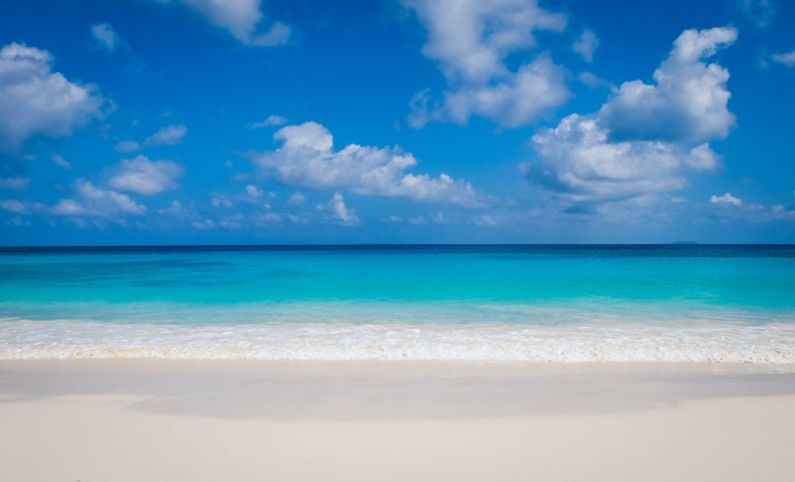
{"x": 14, "y": 183}
{"x": 485, "y": 220}
{"x": 242, "y": 18}
{"x": 175, "y": 209}
{"x": 105, "y": 37}
{"x": 579, "y": 162}
{"x": 127, "y": 146}
{"x": 779, "y": 211}
{"x": 23, "y": 207}
{"x": 13, "y": 206}
{"x": 533, "y": 89}
{"x": 593, "y": 81}
{"x": 253, "y": 191}
{"x": 471, "y": 40}
{"x": 217, "y": 202}
{"x": 687, "y": 102}
{"x": 204, "y": 224}
{"x": 166, "y": 135}
{"x": 296, "y": 199}
{"x": 726, "y": 199}
{"x": 59, "y": 161}
{"x": 701, "y": 158}
{"x": 786, "y": 58}
{"x": 34, "y": 101}
{"x": 307, "y": 159}
{"x": 586, "y": 45}
{"x": 94, "y": 201}
{"x": 646, "y": 138}
{"x": 270, "y": 121}
{"x": 143, "y": 176}
{"x": 338, "y": 211}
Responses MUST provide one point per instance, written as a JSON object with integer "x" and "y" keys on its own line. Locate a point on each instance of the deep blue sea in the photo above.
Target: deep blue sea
{"x": 490, "y": 303}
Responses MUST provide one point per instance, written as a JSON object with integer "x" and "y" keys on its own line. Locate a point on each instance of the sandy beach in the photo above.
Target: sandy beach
{"x": 127, "y": 420}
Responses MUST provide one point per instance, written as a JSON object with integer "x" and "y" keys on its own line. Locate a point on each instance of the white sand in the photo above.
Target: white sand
{"x": 239, "y": 421}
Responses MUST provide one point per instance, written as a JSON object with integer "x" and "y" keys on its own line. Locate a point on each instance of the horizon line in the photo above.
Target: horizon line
{"x": 374, "y": 245}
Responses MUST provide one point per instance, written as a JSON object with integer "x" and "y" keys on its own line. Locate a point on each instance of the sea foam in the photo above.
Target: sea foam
{"x": 772, "y": 343}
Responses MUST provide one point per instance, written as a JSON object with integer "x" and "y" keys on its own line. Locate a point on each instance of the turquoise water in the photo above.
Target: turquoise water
{"x": 417, "y": 301}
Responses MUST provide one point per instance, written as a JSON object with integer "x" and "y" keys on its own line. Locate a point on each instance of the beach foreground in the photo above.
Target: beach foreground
{"x": 128, "y": 420}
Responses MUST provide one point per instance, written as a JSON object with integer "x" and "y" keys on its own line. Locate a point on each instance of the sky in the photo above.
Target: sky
{"x": 396, "y": 121}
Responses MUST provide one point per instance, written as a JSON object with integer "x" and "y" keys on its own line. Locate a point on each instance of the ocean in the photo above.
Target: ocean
{"x": 517, "y": 303}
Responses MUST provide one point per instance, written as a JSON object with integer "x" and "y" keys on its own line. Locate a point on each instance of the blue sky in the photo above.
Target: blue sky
{"x": 275, "y": 121}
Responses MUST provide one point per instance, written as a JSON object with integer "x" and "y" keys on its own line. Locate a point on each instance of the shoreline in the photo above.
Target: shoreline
{"x": 693, "y": 342}
{"x": 413, "y": 366}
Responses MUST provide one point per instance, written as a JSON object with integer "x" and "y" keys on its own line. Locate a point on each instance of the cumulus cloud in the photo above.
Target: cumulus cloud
{"x": 336, "y": 209}
{"x": 726, "y": 199}
{"x": 91, "y": 200}
{"x": 144, "y": 176}
{"x": 105, "y": 37}
{"x": 35, "y": 101}
{"x": 471, "y": 40}
{"x": 586, "y": 45}
{"x": 579, "y": 162}
{"x": 786, "y": 58}
{"x": 533, "y": 89}
{"x": 647, "y": 137}
{"x": 270, "y": 121}
{"x": 242, "y": 18}
{"x": 14, "y": 183}
{"x": 307, "y": 159}
{"x": 688, "y": 100}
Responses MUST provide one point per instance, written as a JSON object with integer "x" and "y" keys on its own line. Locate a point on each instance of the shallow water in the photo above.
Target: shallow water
{"x": 560, "y": 303}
